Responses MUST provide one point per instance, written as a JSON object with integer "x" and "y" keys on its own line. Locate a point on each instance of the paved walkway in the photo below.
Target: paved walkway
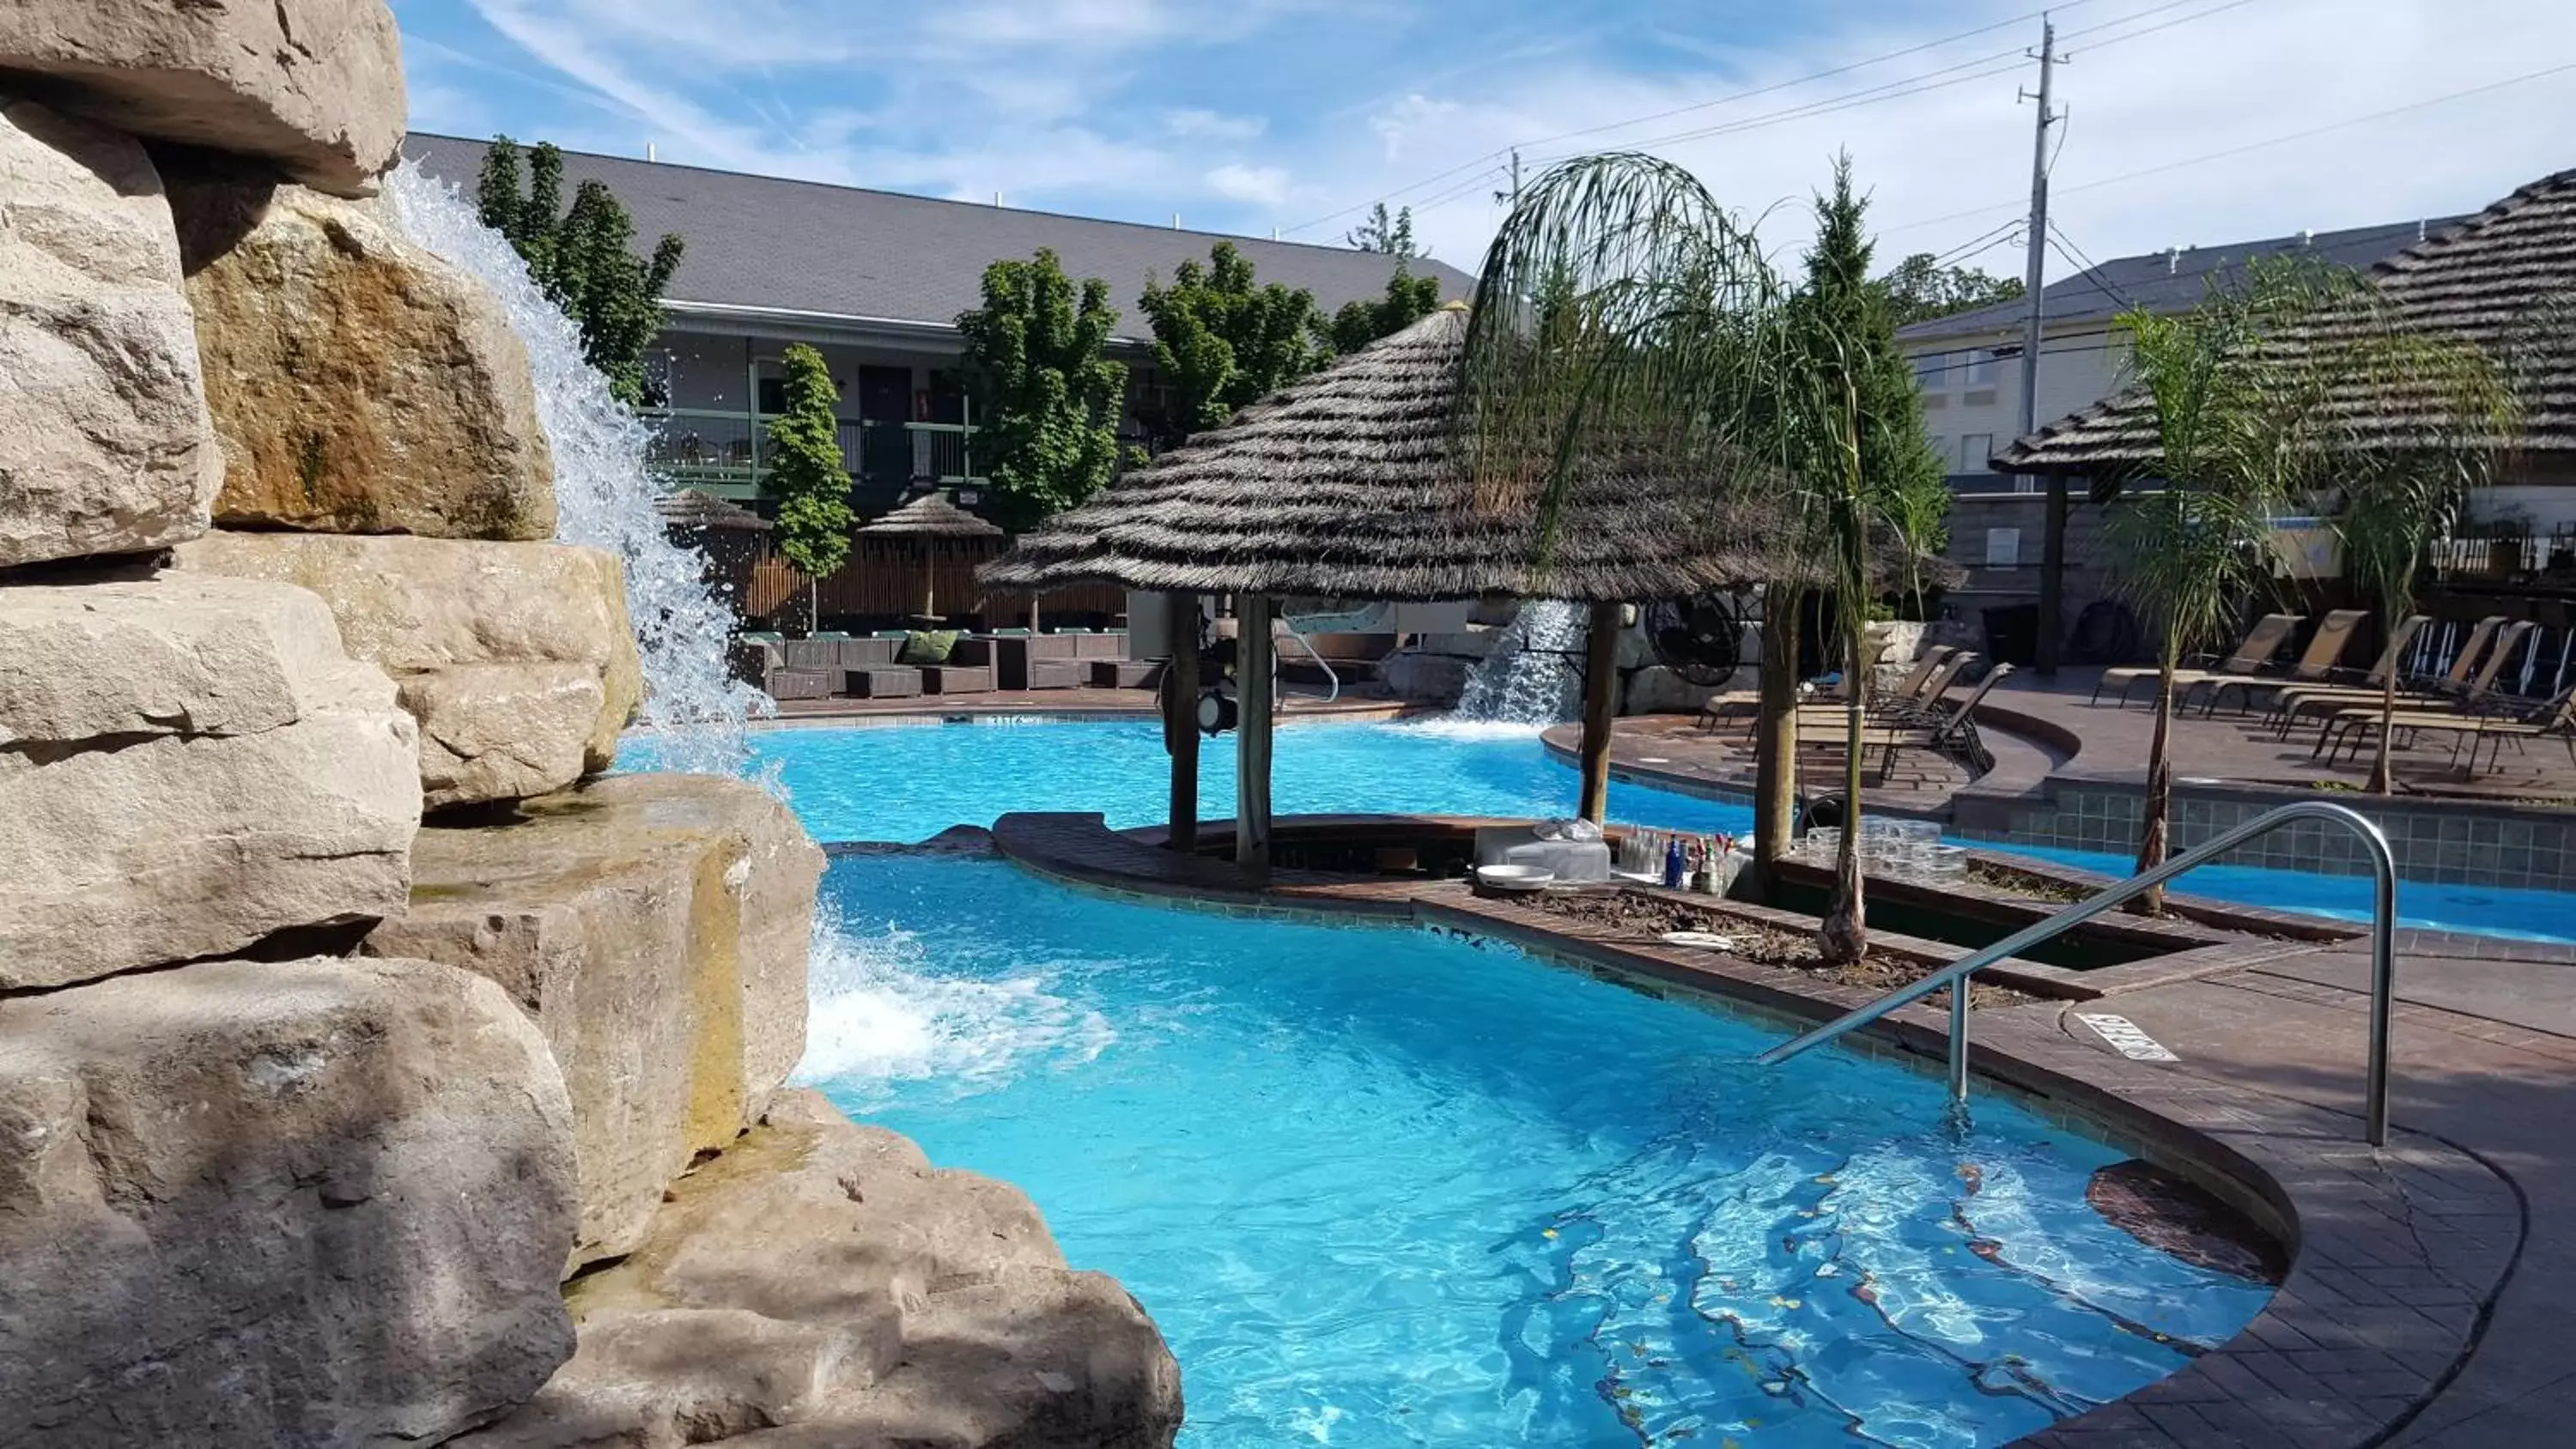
{"x": 2484, "y": 1057}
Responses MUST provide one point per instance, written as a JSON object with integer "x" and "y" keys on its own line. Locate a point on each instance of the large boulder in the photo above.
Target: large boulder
{"x": 315, "y": 86}
{"x": 821, "y": 1285}
{"x": 359, "y": 383}
{"x": 107, "y": 446}
{"x": 272, "y": 1205}
{"x": 655, "y": 926}
{"x": 1425, "y": 678}
{"x": 495, "y": 646}
{"x": 187, "y": 766}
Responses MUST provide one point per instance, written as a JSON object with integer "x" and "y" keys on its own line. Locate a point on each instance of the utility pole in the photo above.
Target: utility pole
{"x": 1516, "y": 176}
{"x": 2052, "y": 561}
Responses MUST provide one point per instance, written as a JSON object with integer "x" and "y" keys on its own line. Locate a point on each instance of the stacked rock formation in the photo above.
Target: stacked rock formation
{"x": 347, "y": 1009}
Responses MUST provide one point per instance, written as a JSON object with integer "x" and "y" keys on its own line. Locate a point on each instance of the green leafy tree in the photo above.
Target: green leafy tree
{"x": 582, "y": 257}
{"x": 1382, "y": 233}
{"x": 1919, "y": 289}
{"x": 1050, "y": 400}
{"x": 1408, "y": 300}
{"x": 1221, "y": 341}
{"x": 806, "y": 476}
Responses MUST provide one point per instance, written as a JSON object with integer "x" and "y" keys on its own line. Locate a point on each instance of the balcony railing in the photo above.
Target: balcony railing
{"x": 726, "y": 453}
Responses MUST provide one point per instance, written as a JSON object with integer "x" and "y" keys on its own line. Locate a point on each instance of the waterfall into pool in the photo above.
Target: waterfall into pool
{"x": 1531, "y": 677}
{"x": 604, "y": 494}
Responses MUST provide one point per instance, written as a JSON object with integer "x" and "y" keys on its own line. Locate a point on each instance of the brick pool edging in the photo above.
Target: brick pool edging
{"x": 2395, "y": 1253}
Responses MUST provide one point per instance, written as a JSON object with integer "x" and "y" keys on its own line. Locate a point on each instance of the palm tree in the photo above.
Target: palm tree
{"x": 1623, "y": 312}
{"x": 2396, "y": 500}
{"x": 2238, "y": 427}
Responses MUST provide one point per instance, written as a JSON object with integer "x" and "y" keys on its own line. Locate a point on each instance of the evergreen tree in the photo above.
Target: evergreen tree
{"x": 1408, "y": 300}
{"x": 805, "y": 476}
{"x": 1050, "y": 401}
{"x": 582, "y": 259}
{"x": 1381, "y": 233}
{"x": 1906, "y": 480}
{"x": 1220, "y": 342}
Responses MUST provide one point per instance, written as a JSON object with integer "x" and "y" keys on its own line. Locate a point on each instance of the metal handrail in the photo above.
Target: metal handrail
{"x": 1335, "y": 680}
{"x": 2383, "y": 953}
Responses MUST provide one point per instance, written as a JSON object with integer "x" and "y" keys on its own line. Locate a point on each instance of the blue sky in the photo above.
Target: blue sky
{"x": 1250, "y": 115}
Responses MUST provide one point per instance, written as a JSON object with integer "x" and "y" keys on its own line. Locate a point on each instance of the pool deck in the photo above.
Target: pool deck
{"x": 2432, "y": 1295}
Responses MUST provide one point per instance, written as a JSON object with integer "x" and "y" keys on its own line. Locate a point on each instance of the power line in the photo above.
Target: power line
{"x": 2153, "y": 29}
{"x": 2090, "y": 269}
{"x": 1724, "y": 100}
{"x": 2280, "y": 140}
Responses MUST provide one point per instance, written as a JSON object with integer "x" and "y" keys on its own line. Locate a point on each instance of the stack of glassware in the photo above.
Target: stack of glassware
{"x": 1909, "y": 850}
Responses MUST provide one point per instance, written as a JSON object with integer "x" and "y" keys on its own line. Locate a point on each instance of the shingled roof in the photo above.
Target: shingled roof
{"x": 840, "y": 252}
{"x": 2493, "y": 279}
{"x": 1345, "y": 485}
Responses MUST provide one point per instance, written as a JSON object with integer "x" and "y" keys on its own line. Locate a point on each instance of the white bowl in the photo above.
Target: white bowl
{"x": 1514, "y": 877}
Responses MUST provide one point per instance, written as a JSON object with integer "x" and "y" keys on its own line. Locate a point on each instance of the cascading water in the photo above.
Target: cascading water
{"x": 1531, "y": 677}
{"x": 604, "y": 494}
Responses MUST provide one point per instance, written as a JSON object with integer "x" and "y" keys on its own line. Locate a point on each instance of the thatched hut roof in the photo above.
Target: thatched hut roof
{"x": 1344, "y": 484}
{"x": 2502, "y": 279}
{"x": 691, "y": 508}
{"x": 930, "y": 516}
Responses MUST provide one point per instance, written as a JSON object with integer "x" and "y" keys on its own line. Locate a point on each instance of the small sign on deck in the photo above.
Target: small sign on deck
{"x": 2125, "y": 1037}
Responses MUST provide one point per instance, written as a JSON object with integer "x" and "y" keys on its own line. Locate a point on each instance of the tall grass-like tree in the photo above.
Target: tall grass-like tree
{"x": 1866, "y": 471}
{"x": 1049, "y": 398}
{"x": 1623, "y": 313}
{"x": 806, "y": 475}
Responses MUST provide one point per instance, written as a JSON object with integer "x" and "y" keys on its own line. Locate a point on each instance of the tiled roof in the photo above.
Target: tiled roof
{"x": 2169, "y": 281}
{"x": 2486, "y": 279}
{"x": 839, "y": 251}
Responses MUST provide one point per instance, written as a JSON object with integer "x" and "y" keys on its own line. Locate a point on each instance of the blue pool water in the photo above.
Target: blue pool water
{"x": 910, "y": 783}
{"x": 1382, "y": 1186}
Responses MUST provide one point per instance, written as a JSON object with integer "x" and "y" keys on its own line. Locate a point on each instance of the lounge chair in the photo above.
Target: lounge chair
{"x": 1951, "y": 730}
{"x": 1737, "y": 701}
{"x": 2316, "y": 662}
{"x": 2487, "y": 649}
{"x": 2292, "y": 700}
{"x": 2471, "y": 725}
{"x": 2252, "y": 652}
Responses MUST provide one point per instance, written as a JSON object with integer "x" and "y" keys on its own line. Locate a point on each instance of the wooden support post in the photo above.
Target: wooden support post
{"x": 1252, "y": 655}
{"x": 2052, "y": 580}
{"x": 1181, "y": 718}
{"x": 1600, "y": 708}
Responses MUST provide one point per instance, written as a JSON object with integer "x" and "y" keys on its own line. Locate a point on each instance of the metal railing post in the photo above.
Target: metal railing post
{"x": 2383, "y": 952}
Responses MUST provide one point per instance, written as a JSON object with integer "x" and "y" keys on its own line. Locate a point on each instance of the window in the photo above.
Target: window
{"x": 2003, "y": 548}
{"x": 1932, "y": 370}
{"x": 1982, "y": 368}
{"x": 1975, "y": 452}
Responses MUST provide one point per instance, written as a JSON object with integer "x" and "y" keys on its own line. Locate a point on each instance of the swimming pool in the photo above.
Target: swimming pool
{"x": 1382, "y": 1186}
{"x": 908, "y": 783}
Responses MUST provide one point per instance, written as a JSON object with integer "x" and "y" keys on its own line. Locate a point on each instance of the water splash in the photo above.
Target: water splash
{"x": 1531, "y": 677}
{"x": 880, "y": 1017}
{"x": 604, "y": 495}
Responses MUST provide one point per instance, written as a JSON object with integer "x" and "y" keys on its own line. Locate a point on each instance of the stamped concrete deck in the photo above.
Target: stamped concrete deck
{"x": 2428, "y": 1300}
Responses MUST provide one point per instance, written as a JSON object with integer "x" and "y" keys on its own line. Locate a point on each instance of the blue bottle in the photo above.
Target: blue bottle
{"x": 1673, "y": 864}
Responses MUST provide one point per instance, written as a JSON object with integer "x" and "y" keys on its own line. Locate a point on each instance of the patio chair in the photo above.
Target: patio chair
{"x": 2470, "y": 726}
{"x": 2460, "y": 686}
{"x": 2251, "y": 653}
{"x": 1951, "y": 731}
{"x": 2288, "y": 703}
{"x": 1716, "y": 708}
{"x": 2316, "y": 662}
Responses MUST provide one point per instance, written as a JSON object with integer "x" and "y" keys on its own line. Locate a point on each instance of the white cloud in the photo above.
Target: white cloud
{"x": 1205, "y": 125}
{"x": 1264, "y": 185}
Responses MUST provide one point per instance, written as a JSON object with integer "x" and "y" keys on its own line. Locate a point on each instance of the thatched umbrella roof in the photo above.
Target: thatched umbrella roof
{"x": 931, "y": 516}
{"x": 1345, "y": 484}
{"x": 691, "y": 508}
{"x": 2502, "y": 279}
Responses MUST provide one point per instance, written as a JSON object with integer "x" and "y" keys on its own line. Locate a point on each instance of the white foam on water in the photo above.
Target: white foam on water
{"x": 604, "y": 494}
{"x": 1453, "y": 728}
{"x": 1530, "y": 678}
{"x": 881, "y": 1017}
